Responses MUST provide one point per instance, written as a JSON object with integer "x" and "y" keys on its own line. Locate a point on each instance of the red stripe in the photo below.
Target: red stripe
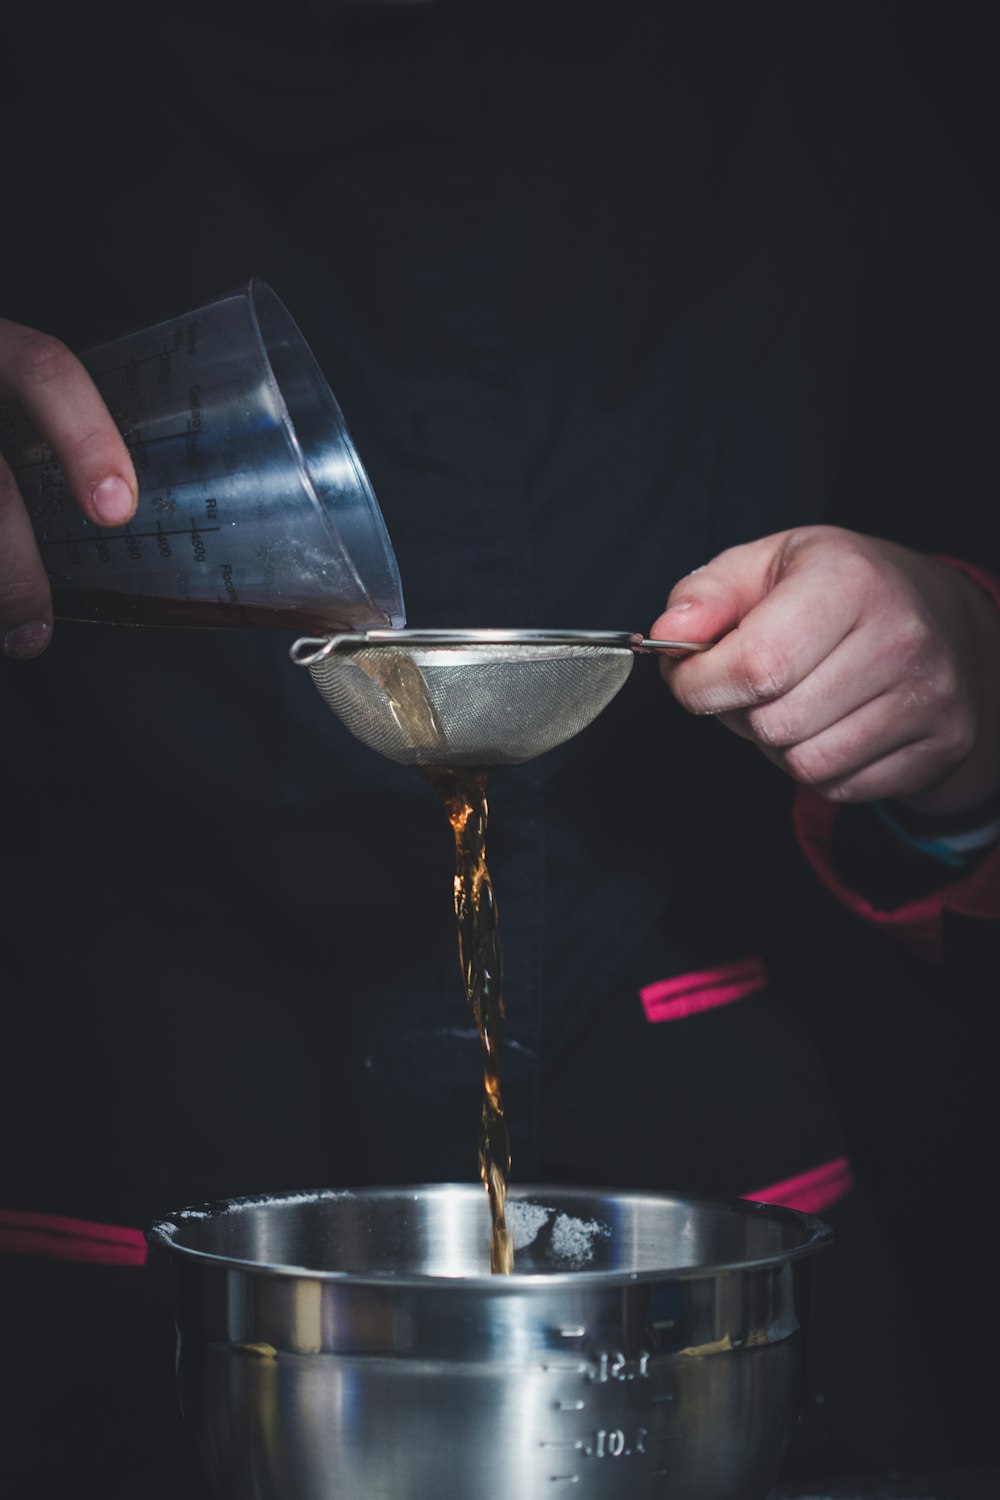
{"x": 687, "y": 994}
{"x": 988, "y": 582}
{"x": 60, "y": 1238}
{"x": 813, "y": 1191}
{"x": 917, "y": 923}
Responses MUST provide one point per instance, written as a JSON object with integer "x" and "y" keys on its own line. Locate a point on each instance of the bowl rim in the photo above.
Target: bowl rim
{"x": 815, "y": 1234}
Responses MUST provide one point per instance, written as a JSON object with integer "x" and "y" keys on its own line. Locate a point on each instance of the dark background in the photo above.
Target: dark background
{"x": 947, "y": 51}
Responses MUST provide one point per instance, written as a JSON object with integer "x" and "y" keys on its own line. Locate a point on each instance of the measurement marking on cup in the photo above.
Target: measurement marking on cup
{"x": 36, "y": 463}
{"x": 135, "y": 359}
{"x": 569, "y": 1406}
{"x": 147, "y": 442}
{"x": 165, "y": 437}
{"x": 162, "y": 542}
{"x": 576, "y": 1332}
{"x": 123, "y": 536}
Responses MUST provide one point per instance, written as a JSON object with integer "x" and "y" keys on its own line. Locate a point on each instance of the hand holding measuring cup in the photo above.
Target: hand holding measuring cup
{"x": 59, "y": 397}
{"x": 253, "y": 507}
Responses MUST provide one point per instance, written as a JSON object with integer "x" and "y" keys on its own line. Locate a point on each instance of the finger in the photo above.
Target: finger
{"x": 854, "y": 673}
{"x": 61, "y": 400}
{"x": 25, "y": 600}
{"x": 875, "y": 752}
{"x": 905, "y": 772}
{"x": 792, "y": 598}
{"x": 775, "y": 647}
{"x": 712, "y": 600}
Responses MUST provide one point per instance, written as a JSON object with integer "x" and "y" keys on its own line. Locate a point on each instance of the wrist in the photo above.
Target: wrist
{"x": 974, "y": 782}
{"x": 956, "y": 840}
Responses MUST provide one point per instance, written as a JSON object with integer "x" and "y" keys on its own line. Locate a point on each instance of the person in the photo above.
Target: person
{"x": 643, "y": 317}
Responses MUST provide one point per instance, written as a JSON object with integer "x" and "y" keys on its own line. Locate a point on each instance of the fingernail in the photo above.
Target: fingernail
{"x": 113, "y": 500}
{"x": 26, "y": 641}
{"x": 675, "y": 609}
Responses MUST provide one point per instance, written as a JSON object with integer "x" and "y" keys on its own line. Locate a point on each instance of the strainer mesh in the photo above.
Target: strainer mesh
{"x": 481, "y": 705}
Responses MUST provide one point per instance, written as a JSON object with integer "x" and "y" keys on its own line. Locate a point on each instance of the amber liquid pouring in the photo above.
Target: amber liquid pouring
{"x": 464, "y": 797}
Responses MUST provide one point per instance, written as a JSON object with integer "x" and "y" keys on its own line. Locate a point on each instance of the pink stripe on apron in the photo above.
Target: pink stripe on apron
{"x": 813, "y": 1191}
{"x": 687, "y": 994}
{"x": 60, "y": 1238}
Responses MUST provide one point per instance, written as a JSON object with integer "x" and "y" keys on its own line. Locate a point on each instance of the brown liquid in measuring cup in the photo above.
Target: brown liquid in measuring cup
{"x": 464, "y": 796}
{"x": 105, "y": 606}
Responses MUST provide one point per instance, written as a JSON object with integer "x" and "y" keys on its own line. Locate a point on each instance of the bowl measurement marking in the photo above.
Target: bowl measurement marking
{"x": 606, "y": 1367}
{"x": 618, "y": 1366}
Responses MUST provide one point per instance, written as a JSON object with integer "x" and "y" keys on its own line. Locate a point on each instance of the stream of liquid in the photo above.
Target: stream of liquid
{"x": 464, "y": 796}
{"x": 463, "y": 792}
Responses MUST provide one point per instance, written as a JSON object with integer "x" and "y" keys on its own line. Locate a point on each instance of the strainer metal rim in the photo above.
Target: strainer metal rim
{"x": 309, "y": 650}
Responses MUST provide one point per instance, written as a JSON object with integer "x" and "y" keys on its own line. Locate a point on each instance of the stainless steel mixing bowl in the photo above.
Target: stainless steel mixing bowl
{"x": 334, "y": 1346}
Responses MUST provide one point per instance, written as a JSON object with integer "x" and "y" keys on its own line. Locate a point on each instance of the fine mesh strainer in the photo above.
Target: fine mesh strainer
{"x": 471, "y": 697}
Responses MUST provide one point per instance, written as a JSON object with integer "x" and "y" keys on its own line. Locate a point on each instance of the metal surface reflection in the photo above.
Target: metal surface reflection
{"x": 645, "y": 1345}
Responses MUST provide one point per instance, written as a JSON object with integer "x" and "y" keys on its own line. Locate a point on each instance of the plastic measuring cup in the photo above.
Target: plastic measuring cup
{"x": 254, "y": 508}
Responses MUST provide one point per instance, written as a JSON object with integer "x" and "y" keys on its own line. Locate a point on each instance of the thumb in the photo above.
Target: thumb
{"x": 711, "y": 601}
{"x": 694, "y": 612}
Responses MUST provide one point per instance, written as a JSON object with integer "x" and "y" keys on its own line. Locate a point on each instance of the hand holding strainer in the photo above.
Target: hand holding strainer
{"x": 471, "y": 697}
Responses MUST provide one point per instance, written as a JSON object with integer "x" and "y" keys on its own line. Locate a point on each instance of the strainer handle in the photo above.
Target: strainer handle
{"x": 310, "y": 649}
{"x": 656, "y": 646}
